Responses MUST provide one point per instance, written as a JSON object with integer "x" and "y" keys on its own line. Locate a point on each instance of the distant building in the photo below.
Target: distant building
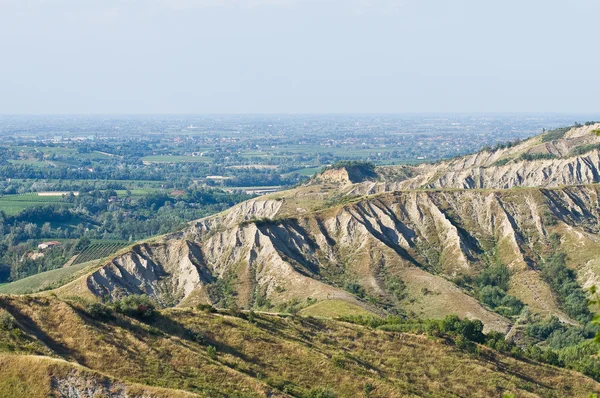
{"x": 46, "y": 245}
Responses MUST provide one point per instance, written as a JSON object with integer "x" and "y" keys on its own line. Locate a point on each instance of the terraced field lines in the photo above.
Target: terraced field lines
{"x": 98, "y": 250}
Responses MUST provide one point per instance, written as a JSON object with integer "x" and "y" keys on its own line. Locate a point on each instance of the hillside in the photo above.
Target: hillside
{"x": 412, "y": 252}
{"x": 508, "y": 236}
{"x": 258, "y": 257}
{"x": 560, "y": 157}
{"x": 266, "y": 356}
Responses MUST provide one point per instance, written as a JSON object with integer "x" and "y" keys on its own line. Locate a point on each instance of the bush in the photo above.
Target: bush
{"x": 564, "y": 282}
{"x": 99, "y": 311}
{"x": 338, "y": 361}
{"x": 368, "y": 388}
{"x": 397, "y": 287}
{"x": 536, "y": 156}
{"x": 7, "y": 321}
{"x": 500, "y": 301}
{"x": 470, "y": 329}
{"x": 501, "y": 162}
{"x": 209, "y": 309}
{"x": 194, "y": 335}
{"x": 355, "y": 289}
{"x": 493, "y": 283}
{"x": 138, "y": 306}
{"x": 320, "y": 392}
{"x": 543, "y": 330}
{"x": 495, "y": 275}
{"x": 211, "y": 351}
{"x": 251, "y": 317}
{"x": 580, "y": 150}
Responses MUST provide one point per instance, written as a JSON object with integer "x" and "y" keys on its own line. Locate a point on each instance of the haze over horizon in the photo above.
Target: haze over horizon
{"x": 303, "y": 56}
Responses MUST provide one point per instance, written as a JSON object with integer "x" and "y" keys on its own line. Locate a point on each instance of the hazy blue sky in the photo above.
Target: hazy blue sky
{"x": 299, "y": 56}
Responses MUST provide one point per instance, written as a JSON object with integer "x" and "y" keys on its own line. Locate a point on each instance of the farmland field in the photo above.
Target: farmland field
{"x": 177, "y": 159}
{"x": 13, "y": 204}
{"x": 97, "y": 251}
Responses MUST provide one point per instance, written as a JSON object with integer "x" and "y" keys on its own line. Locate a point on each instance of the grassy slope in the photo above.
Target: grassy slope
{"x": 45, "y": 280}
{"x": 334, "y": 308}
{"x": 27, "y": 376}
{"x": 277, "y": 356}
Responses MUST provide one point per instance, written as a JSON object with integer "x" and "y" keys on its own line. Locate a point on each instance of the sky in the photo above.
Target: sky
{"x": 298, "y": 56}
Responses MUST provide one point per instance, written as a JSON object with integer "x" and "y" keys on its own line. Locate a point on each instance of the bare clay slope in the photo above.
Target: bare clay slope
{"x": 572, "y": 158}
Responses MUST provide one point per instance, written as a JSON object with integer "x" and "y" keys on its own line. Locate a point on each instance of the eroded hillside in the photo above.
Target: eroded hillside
{"x": 560, "y": 157}
{"x": 365, "y": 251}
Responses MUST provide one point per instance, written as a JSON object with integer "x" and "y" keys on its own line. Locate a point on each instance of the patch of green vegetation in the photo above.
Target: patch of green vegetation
{"x": 537, "y": 156}
{"x": 138, "y": 306}
{"x": 564, "y": 282}
{"x": 580, "y": 150}
{"x": 556, "y": 134}
{"x": 501, "y": 162}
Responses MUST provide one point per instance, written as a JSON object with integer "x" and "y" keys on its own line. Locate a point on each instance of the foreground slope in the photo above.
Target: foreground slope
{"x": 273, "y": 356}
{"x": 30, "y": 376}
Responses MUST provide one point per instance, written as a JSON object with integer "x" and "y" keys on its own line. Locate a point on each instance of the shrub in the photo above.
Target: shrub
{"x": 542, "y": 330}
{"x": 138, "y": 306}
{"x": 355, "y": 289}
{"x": 99, "y": 311}
{"x": 211, "y": 351}
{"x": 494, "y": 275}
{"x": 580, "y": 150}
{"x": 194, "y": 335}
{"x": 368, "y": 389}
{"x": 320, "y": 392}
{"x": 251, "y": 317}
{"x": 397, "y": 287}
{"x": 500, "y": 301}
{"x": 470, "y": 329}
{"x": 536, "y": 156}
{"x": 338, "y": 361}
{"x": 564, "y": 282}
{"x": 209, "y": 309}
{"x": 7, "y": 321}
{"x": 501, "y": 162}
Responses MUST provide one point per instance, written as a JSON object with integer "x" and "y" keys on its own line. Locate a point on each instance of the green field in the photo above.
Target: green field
{"x": 137, "y": 192}
{"x": 45, "y": 280}
{"x": 177, "y": 159}
{"x": 13, "y": 204}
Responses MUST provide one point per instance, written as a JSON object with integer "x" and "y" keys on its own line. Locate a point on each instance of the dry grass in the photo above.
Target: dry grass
{"x": 25, "y": 376}
{"x": 277, "y": 356}
{"x": 334, "y": 308}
